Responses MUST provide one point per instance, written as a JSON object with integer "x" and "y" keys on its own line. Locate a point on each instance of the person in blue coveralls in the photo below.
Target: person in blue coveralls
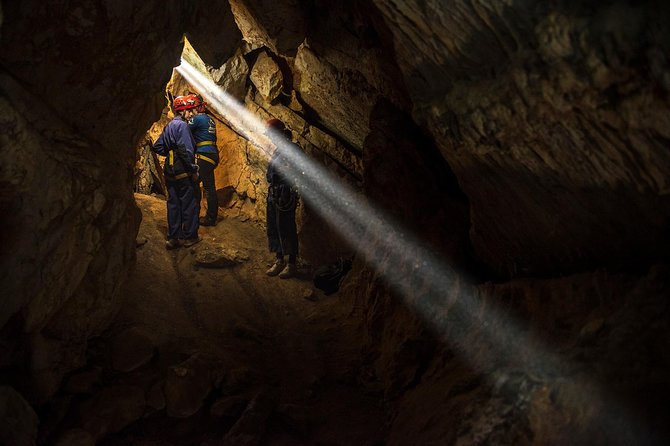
{"x": 203, "y": 129}
{"x": 177, "y": 145}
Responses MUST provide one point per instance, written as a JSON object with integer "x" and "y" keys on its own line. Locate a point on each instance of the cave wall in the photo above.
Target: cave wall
{"x": 566, "y": 168}
{"x": 550, "y": 122}
{"x": 553, "y": 117}
{"x": 81, "y": 82}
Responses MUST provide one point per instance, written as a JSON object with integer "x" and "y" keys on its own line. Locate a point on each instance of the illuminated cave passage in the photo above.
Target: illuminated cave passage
{"x": 497, "y": 171}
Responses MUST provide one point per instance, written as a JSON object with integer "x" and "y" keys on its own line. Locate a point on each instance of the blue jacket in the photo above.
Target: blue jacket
{"x": 203, "y": 128}
{"x": 178, "y": 146}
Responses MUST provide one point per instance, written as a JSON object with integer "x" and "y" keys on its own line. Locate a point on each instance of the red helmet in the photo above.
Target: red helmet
{"x": 186, "y": 102}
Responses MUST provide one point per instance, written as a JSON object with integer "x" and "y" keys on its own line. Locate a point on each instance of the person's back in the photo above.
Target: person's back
{"x": 203, "y": 128}
{"x": 176, "y": 143}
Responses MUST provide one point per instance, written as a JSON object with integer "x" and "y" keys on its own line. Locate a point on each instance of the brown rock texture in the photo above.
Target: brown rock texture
{"x": 232, "y": 76}
{"x": 552, "y": 118}
{"x": 71, "y": 121}
{"x": 267, "y": 77}
{"x": 111, "y": 410}
{"x": 186, "y": 387}
{"x": 19, "y": 420}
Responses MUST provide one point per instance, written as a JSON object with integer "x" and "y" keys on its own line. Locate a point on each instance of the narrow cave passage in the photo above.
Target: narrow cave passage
{"x": 211, "y": 339}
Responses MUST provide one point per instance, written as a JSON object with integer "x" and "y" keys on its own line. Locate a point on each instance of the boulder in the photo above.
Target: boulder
{"x": 186, "y": 387}
{"x": 267, "y": 77}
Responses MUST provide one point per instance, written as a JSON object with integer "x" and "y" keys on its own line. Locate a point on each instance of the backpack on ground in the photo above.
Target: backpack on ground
{"x": 329, "y": 277}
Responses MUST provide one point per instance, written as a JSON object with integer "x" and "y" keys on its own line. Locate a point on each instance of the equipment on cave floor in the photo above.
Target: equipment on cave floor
{"x": 328, "y": 278}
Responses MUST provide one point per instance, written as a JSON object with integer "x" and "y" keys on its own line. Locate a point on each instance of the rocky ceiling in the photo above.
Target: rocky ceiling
{"x": 525, "y": 141}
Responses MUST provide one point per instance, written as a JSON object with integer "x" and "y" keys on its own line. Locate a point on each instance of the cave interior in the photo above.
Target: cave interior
{"x": 491, "y": 177}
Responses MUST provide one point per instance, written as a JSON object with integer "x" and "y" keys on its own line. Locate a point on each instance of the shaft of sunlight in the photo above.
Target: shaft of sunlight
{"x": 386, "y": 247}
{"x": 452, "y": 306}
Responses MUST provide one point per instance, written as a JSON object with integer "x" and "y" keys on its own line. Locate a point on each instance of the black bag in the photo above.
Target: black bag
{"x": 329, "y": 277}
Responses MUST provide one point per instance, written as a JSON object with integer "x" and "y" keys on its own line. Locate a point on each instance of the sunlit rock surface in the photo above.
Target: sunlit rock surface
{"x": 267, "y": 77}
{"x": 232, "y": 76}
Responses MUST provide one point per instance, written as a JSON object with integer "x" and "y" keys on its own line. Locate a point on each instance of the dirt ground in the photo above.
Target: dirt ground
{"x": 260, "y": 338}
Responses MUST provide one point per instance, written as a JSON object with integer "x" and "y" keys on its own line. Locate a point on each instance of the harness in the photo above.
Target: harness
{"x": 180, "y": 176}
{"x": 203, "y": 157}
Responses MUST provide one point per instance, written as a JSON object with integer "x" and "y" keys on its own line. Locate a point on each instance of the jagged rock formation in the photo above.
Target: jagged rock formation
{"x": 525, "y": 144}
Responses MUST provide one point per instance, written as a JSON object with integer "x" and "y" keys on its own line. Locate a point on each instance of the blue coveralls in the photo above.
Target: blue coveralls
{"x": 183, "y": 207}
{"x": 280, "y": 210}
{"x": 203, "y": 129}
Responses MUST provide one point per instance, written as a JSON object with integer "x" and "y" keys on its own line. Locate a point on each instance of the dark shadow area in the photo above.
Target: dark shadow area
{"x": 406, "y": 176}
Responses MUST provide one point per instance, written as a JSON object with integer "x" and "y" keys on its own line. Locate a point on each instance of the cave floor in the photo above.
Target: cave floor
{"x": 280, "y": 344}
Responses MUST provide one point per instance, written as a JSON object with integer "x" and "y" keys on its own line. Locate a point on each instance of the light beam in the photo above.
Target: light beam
{"x": 456, "y": 310}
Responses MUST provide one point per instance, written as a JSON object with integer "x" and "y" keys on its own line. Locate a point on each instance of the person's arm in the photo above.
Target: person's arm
{"x": 160, "y": 146}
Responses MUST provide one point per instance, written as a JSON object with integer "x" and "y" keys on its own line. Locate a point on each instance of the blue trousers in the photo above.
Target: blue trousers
{"x": 183, "y": 209}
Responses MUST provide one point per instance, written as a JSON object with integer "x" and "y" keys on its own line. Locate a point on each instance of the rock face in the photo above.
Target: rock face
{"x": 521, "y": 149}
{"x": 267, "y": 77}
{"x": 539, "y": 111}
{"x": 131, "y": 349}
{"x": 111, "y": 410}
{"x": 232, "y": 76}
{"x": 19, "y": 421}
{"x": 186, "y": 387}
{"x": 71, "y": 121}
